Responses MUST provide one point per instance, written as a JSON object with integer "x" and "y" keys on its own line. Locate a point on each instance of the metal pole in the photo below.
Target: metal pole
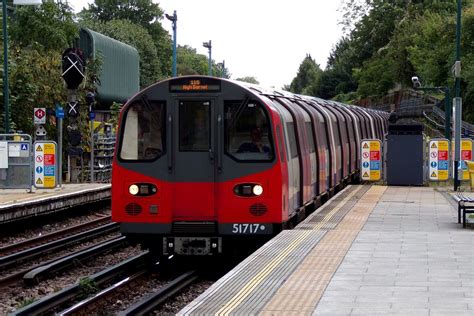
{"x": 175, "y": 20}
{"x": 210, "y": 58}
{"x": 92, "y": 151}
{"x": 60, "y": 153}
{"x": 447, "y": 113}
{"x": 5, "y": 66}
{"x": 457, "y": 107}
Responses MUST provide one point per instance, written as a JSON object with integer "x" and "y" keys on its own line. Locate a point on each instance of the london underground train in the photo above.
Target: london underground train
{"x": 203, "y": 164}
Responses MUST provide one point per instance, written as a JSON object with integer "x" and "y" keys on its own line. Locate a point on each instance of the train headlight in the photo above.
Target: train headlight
{"x": 257, "y": 190}
{"x": 133, "y": 189}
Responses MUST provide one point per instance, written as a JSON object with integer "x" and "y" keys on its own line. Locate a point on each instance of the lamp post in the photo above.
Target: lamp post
{"x": 5, "y": 67}
{"x": 208, "y": 45}
{"x": 173, "y": 18}
{"x": 457, "y": 102}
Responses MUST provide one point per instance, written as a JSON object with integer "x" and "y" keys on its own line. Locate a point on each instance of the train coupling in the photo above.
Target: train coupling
{"x": 192, "y": 246}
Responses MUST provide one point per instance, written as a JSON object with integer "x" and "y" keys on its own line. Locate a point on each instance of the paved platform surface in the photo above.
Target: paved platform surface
{"x": 11, "y": 196}
{"x": 18, "y": 204}
{"x": 396, "y": 250}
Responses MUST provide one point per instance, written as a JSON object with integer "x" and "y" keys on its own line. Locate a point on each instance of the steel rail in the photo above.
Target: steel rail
{"x": 41, "y": 272}
{"x": 33, "y": 274}
{"x": 151, "y": 302}
{"x": 88, "y": 303}
{"x": 52, "y": 301}
{"x": 53, "y": 235}
{"x": 13, "y": 259}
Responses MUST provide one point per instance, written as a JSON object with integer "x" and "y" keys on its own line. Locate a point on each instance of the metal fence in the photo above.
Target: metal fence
{"x": 15, "y": 161}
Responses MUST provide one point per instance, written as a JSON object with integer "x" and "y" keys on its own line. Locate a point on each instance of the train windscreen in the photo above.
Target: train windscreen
{"x": 248, "y": 135}
{"x": 143, "y": 133}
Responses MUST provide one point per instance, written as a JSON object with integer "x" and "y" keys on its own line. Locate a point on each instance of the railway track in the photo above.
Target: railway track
{"x": 28, "y": 254}
{"x": 36, "y": 273}
{"x": 32, "y": 242}
{"x": 54, "y": 302}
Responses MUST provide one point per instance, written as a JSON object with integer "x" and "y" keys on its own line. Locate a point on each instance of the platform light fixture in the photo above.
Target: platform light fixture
{"x": 208, "y": 45}
{"x": 174, "y": 19}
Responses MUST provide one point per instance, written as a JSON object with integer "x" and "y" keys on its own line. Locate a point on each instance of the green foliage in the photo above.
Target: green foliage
{"x": 248, "y": 79}
{"x": 87, "y": 287}
{"x": 115, "y": 109}
{"x": 191, "y": 63}
{"x": 308, "y": 77}
{"x": 139, "y": 12}
{"x": 26, "y": 302}
{"x": 51, "y": 25}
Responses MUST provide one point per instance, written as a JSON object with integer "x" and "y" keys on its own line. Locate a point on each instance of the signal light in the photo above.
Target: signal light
{"x": 73, "y": 67}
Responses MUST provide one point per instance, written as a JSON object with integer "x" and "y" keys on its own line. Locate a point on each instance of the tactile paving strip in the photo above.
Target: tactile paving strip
{"x": 248, "y": 287}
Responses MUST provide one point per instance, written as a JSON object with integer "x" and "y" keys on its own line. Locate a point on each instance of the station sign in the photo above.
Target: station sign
{"x": 46, "y": 172}
{"x": 438, "y": 159}
{"x": 371, "y": 160}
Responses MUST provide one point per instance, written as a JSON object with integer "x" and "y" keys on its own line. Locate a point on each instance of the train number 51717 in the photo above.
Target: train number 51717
{"x": 247, "y": 228}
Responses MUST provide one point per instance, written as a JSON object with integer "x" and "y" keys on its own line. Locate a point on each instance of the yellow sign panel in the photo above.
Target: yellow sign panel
{"x": 466, "y": 145}
{"x": 443, "y": 145}
{"x": 49, "y": 182}
{"x": 374, "y": 146}
{"x": 374, "y": 175}
{"x": 50, "y": 149}
{"x": 443, "y": 175}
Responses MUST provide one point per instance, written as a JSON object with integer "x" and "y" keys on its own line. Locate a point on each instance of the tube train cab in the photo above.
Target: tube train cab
{"x": 205, "y": 164}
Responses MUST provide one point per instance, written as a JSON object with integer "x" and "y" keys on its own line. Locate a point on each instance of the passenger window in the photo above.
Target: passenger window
{"x": 309, "y": 132}
{"x": 281, "y": 144}
{"x": 247, "y": 131}
{"x": 194, "y": 122}
{"x": 291, "y": 135}
{"x": 143, "y": 136}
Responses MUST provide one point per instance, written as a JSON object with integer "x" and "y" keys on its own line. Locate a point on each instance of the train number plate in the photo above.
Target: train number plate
{"x": 245, "y": 229}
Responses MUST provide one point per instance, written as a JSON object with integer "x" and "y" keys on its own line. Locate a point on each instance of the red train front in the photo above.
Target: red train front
{"x": 185, "y": 173}
{"x": 205, "y": 164}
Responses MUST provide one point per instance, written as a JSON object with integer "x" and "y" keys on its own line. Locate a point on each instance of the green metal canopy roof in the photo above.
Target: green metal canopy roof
{"x": 120, "y": 76}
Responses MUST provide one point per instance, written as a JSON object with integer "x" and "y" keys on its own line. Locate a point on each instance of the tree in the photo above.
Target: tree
{"x": 248, "y": 79}
{"x": 308, "y": 77}
{"x": 50, "y": 25}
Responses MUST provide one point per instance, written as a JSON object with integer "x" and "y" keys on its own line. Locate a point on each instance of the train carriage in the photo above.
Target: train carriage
{"x": 204, "y": 164}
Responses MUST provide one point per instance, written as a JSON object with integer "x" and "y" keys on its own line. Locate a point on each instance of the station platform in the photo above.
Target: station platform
{"x": 18, "y": 204}
{"x": 369, "y": 250}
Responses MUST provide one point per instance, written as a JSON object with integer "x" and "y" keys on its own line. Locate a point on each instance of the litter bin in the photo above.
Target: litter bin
{"x": 470, "y": 168}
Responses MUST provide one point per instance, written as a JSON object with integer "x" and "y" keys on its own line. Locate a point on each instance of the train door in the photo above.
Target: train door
{"x": 192, "y": 146}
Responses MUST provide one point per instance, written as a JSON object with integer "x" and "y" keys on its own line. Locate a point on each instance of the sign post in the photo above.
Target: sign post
{"x": 45, "y": 164}
{"x": 438, "y": 159}
{"x": 371, "y": 159}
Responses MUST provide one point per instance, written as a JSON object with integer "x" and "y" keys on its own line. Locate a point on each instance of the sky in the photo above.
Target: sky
{"x": 266, "y": 39}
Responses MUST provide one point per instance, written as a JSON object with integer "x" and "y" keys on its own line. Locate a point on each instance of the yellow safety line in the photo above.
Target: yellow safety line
{"x": 250, "y": 286}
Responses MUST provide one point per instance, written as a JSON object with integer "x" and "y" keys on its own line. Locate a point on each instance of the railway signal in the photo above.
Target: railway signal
{"x": 73, "y": 67}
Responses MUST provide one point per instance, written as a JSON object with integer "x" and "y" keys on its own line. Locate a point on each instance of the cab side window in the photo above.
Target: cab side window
{"x": 247, "y": 131}
{"x": 143, "y": 136}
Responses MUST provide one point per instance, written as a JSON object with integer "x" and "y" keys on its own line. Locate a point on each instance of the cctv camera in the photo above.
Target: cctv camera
{"x": 416, "y": 82}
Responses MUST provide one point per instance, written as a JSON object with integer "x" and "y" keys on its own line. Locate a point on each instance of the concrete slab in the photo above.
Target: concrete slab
{"x": 19, "y": 204}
